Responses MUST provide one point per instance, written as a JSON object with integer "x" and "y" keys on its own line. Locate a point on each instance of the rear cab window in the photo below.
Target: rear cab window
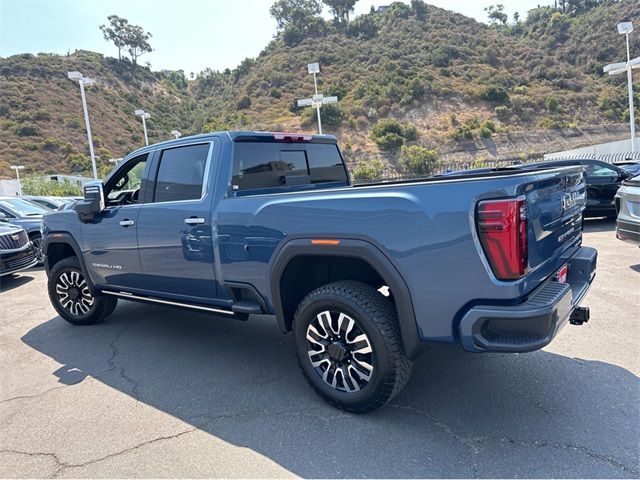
{"x": 270, "y": 167}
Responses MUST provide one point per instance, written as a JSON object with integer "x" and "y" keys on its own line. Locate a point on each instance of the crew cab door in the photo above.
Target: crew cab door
{"x": 110, "y": 241}
{"x": 175, "y": 225}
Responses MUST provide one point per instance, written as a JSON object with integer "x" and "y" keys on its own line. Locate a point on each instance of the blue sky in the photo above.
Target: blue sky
{"x": 187, "y": 34}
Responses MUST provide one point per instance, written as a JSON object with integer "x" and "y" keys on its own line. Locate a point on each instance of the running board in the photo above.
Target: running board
{"x": 131, "y": 296}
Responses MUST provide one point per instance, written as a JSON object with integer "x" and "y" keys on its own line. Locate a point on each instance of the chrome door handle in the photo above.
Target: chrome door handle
{"x": 194, "y": 221}
{"x": 127, "y": 223}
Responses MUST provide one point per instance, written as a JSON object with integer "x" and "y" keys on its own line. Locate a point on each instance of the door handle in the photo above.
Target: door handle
{"x": 127, "y": 223}
{"x": 194, "y": 220}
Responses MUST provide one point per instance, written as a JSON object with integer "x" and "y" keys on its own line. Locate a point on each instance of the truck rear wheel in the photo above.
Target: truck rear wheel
{"x": 71, "y": 297}
{"x": 348, "y": 346}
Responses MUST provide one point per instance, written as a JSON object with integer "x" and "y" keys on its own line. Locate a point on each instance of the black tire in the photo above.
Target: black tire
{"x": 357, "y": 389}
{"x": 71, "y": 298}
{"x": 36, "y": 239}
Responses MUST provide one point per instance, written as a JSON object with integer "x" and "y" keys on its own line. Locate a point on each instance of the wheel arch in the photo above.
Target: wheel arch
{"x": 357, "y": 253}
{"x": 60, "y": 245}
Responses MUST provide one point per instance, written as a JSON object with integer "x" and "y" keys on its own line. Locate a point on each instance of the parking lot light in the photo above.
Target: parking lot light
{"x": 85, "y": 82}
{"x": 318, "y": 99}
{"x": 144, "y": 115}
{"x": 176, "y": 134}
{"x": 625, "y": 28}
{"x": 17, "y": 168}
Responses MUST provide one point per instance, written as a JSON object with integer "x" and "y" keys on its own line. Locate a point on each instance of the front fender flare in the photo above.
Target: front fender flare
{"x": 66, "y": 238}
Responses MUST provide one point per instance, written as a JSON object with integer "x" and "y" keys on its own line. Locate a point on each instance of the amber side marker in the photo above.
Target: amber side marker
{"x": 325, "y": 242}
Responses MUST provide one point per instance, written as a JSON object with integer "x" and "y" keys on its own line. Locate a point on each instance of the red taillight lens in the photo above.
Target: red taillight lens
{"x": 502, "y": 227}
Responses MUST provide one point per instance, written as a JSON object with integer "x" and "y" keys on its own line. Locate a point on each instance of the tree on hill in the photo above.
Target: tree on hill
{"x": 137, "y": 42}
{"x": 297, "y": 19}
{"x": 340, "y": 9}
{"x": 124, "y": 35}
{"x": 496, "y": 15}
{"x": 116, "y": 32}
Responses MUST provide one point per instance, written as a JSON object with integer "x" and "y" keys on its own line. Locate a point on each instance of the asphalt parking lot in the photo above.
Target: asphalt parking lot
{"x": 159, "y": 392}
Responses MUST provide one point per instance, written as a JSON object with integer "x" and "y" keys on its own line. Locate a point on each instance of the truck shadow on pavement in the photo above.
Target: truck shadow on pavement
{"x": 10, "y": 282}
{"x": 461, "y": 415}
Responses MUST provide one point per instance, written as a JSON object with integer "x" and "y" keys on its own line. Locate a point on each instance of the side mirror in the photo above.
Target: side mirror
{"x": 93, "y": 202}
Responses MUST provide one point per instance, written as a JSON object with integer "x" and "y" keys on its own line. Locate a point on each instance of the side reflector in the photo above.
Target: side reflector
{"x": 324, "y": 241}
{"x": 502, "y": 228}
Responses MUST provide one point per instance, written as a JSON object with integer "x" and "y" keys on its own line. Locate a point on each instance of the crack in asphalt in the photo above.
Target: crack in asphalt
{"x": 61, "y": 465}
{"x": 470, "y": 445}
{"x": 35, "y": 395}
{"x": 65, "y": 466}
{"x": 580, "y": 448}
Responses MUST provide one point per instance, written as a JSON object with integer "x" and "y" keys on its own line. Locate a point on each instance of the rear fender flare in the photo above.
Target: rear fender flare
{"x": 362, "y": 250}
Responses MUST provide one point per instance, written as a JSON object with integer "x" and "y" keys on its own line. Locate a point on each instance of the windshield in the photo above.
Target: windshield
{"x": 23, "y": 208}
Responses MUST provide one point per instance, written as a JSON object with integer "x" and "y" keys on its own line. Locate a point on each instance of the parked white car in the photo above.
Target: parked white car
{"x": 628, "y": 206}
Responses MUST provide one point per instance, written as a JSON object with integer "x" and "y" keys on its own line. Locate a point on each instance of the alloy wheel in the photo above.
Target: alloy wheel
{"x": 73, "y": 293}
{"x": 37, "y": 243}
{"x": 340, "y": 351}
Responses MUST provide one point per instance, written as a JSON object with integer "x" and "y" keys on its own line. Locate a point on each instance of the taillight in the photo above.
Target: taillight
{"x": 502, "y": 227}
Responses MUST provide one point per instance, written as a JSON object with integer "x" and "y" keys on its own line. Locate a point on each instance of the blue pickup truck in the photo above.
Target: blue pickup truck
{"x": 365, "y": 276}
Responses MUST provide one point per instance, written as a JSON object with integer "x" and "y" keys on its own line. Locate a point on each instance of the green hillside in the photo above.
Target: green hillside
{"x": 448, "y": 80}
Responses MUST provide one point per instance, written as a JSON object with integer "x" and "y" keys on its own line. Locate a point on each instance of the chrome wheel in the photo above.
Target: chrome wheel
{"x": 73, "y": 293}
{"x": 340, "y": 351}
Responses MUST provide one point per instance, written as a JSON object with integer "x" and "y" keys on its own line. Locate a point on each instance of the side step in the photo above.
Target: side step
{"x": 246, "y": 307}
{"x": 204, "y": 308}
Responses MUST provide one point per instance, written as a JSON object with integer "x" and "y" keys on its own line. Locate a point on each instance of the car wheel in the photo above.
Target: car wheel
{"x": 348, "y": 345}
{"x": 36, "y": 239}
{"x": 71, "y": 297}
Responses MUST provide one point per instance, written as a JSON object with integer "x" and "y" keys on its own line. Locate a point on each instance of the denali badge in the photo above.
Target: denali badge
{"x": 109, "y": 266}
{"x": 569, "y": 200}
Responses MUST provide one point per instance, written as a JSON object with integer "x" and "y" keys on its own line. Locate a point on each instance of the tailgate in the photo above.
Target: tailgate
{"x": 555, "y": 206}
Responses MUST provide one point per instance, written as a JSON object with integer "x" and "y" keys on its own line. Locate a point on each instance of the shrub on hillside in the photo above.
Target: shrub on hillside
{"x": 485, "y": 132}
{"x": 389, "y": 134}
{"x": 495, "y": 93}
{"x": 502, "y": 112}
{"x": 243, "y": 103}
{"x": 462, "y": 132}
{"x": 552, "y": 104}
{"x": 26, "y": 130}
{"x": 419, "y": 160}
{"x": 368, "y": 171}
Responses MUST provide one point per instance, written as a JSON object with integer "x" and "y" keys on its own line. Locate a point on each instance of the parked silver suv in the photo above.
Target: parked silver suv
{"x": 628, "y": 206}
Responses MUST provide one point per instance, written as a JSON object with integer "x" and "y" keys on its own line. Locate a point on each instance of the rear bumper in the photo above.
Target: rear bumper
{"x": 628, "y": 231}
{"x": 533, "y": 324}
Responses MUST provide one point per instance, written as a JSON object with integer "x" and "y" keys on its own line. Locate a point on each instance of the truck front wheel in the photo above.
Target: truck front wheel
{"x": 348, "y": 346}
{"x": 71, "y": 297}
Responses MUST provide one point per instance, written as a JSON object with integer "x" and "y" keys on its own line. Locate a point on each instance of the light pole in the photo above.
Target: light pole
{"x": 144, "y": 115}
{"x": 176, "y": 134}
{"x": 318, "y": 99}
{"x": 625, "y": 28}
{"x": 17, "y": 168}
{"x": 77, "y": 76}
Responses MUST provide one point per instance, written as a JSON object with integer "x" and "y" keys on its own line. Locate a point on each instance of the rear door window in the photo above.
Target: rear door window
{"x": 260, "y": 165}
{"x": 181, "y": 173}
